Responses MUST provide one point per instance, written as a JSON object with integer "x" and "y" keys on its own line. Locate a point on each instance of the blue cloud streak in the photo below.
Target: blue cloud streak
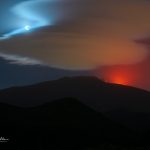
{"x": 34, "y": 20}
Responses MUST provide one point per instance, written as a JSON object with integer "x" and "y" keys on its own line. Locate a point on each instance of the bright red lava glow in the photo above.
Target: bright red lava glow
{"x": 117, "y": 75}
{"x": 136, "y": 75}
{"x": 118, "y": 80}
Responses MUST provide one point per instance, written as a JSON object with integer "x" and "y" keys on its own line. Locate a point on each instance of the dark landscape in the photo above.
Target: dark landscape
{"x": 75, "y": 74}
{"x": 52, "y": 120}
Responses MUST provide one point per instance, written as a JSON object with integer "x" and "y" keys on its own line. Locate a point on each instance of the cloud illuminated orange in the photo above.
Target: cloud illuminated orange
{"x": 95, "y": 33}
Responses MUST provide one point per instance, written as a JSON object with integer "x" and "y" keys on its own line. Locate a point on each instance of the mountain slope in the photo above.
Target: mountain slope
{"x": 91, "y": 91}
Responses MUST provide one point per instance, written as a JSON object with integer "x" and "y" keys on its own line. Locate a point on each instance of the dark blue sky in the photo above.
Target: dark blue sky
{"x": 17, "y": 75}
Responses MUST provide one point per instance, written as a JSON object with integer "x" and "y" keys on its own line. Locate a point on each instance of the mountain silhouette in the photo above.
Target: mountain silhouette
{"x": 89, "y": 90}
{"x": 75, "y": 113}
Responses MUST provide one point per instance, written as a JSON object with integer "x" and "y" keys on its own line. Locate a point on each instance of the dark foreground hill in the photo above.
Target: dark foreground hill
{"x": 65, "y": 123}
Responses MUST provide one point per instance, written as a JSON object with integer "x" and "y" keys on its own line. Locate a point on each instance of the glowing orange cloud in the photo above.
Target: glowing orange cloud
{"x": 136, "y": 75}
{"x": 119, "y": 79}
{"x": 98, "y": 33}
{"x": 118, "y": 74}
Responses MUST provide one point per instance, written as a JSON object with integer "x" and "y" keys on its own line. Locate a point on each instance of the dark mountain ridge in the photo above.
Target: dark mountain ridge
{"x": 89, "y": 90}
{"x": 74, "y": 112}
{"x": 98, "y": 95}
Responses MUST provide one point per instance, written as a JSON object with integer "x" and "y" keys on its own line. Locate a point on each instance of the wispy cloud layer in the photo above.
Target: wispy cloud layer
{"x": 20, "y": 60}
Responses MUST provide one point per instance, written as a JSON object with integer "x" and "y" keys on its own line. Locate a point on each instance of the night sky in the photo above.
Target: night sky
{"x": 108, "y": 38}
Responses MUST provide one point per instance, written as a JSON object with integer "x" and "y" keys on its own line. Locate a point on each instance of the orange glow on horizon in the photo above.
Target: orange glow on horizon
{"x": 119, "y": 80}
{"x": 118, "y": 75}
{"x": 136, "y": 75}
